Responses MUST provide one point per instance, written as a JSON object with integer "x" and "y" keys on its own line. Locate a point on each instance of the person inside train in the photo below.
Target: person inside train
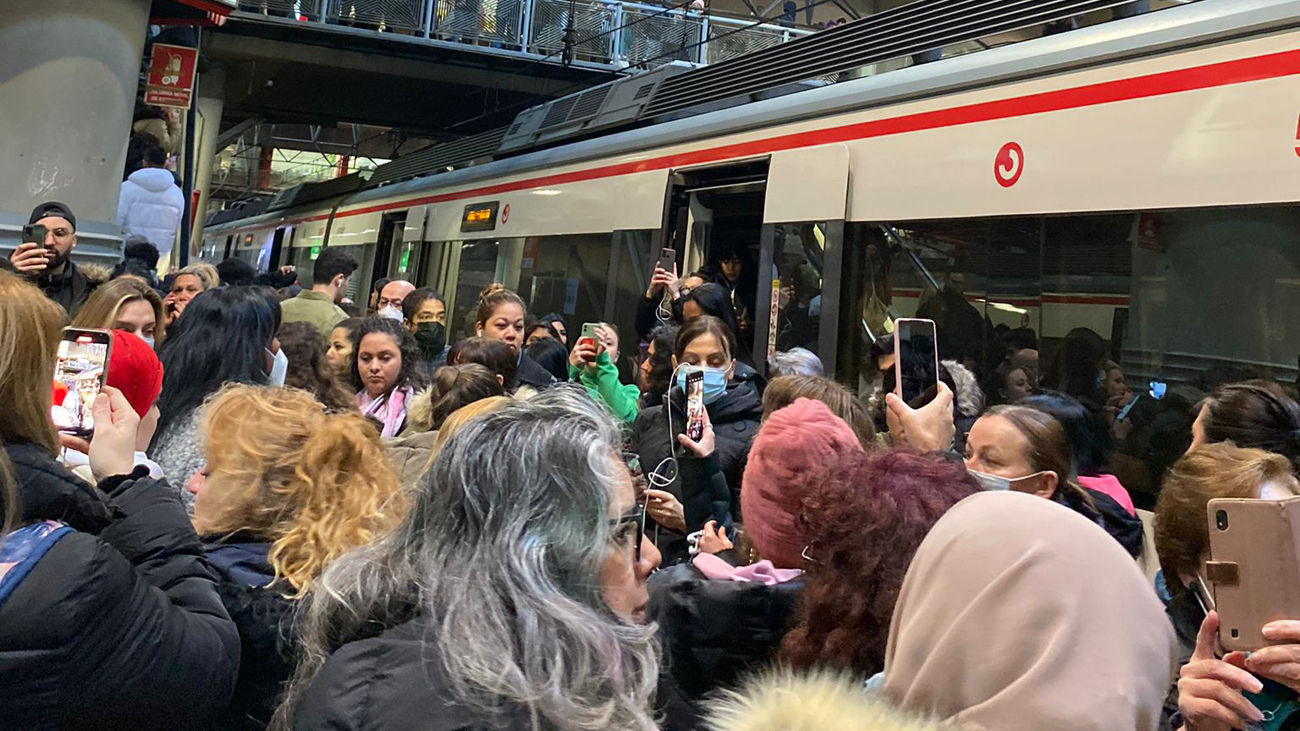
{"x": 318, "y": 306}
{"x": 187, "y": 284}
{"x": 286, "y": 489}
{"x": 338, "y": 350}
{"x": 867, "y": 519}
{"x": 524, "y": 544}
{"x": 83, "y": 564}
{"x": 1209, "y": 692}
{"x": 1078, "y": 368}
{"x": 593, "y": 365}
{"x": 959, "y": 325}
{"x": 1007, "y": 384}
{"x": 500, "y": 316}
{"x": 385, "y": 372}
{"x": 537, "y": 331}
{"x": 125, "y": 304}
{"x": 705, "y": 607}
{"x": 734, "y": 410}
{"x": 555, "y": 321}
{"x": 1090, "y": 443}
{"x": 309, "y": 368}
{"x": 425, "y": 314}
{"x": 227, "y": 335}
{"x": 391, "y": 298}
{"x": 1046, "y": 624}
{"x": 550, "y": 354}
{"x": 1252, "y": 414}
{"x": 1024, "y": 449}
{"x": 497, "y": 357}
{"x": 728, "y": 268}
{"x": 655, "y": 374}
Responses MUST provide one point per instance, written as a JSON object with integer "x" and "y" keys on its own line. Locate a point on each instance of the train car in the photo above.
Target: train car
{"x": 1137, "y": 178}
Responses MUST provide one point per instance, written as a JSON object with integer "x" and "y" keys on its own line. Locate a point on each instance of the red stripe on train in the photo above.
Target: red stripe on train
{"x": 1225, "y": 73}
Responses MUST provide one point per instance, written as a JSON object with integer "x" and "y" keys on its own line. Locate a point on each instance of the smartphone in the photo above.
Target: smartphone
{"x": 1123, "y": 413}
{"x": 34, "y": 234}
{"x": 1253, "y": 567}
{"x": 694, "y": 402}
{"x": 916, "y": 350}
{"x": 589, "y": 334}
{"x": 667, "y": 259}
{"x": 81, "y": 368}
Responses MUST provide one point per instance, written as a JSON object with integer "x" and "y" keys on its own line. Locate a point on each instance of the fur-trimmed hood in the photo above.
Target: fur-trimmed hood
{"x": 817, "y": 701}
{"x": 968, "y": 401}
{"x": 419, "y": 413}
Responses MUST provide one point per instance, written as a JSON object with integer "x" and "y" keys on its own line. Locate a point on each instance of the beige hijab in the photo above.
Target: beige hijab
{"x": 1020, "y": 614}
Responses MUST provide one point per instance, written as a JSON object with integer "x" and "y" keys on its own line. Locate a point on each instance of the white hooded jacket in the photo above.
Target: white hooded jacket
{"x": 151, "y": 205}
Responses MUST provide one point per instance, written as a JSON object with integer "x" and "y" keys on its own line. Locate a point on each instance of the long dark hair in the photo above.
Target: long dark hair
{"x": 1087, "y": 432}
{"x": 664, "y": 339}
{"x": 409, "y": 374}
{"x": 221, "y": 337}
{"x": 309, "y": 369}
{"x": 715, "y": 300}
{"x": 1076, "y": 369}
{"x": 1255, "y": 414}
{"x": 551, "y": 354}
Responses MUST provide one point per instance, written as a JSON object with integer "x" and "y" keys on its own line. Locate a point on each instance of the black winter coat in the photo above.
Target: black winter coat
{"x": 716, "y": 632}
{"x": 396, "y": 681}
{"x": 531, "y": 373}
{"x": 258, "y": 606}
{"x": 735, "y": 418}
{"x": 119, "y": 625}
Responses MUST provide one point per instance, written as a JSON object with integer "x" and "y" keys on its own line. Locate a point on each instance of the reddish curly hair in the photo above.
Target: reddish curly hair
{"x": 869, "y": 517}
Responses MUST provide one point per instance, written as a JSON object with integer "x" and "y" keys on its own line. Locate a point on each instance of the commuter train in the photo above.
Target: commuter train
{"x": 1136, "y": 177}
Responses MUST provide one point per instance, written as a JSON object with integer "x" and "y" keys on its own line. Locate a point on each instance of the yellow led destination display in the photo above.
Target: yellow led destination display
{"x": 480, "y": 216}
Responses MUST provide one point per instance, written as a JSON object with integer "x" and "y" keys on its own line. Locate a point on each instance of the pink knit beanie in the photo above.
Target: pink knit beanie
{"x": 791, "y": 446}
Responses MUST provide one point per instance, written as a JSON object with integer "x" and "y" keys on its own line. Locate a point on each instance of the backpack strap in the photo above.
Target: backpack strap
{"x": 21, "y": 549}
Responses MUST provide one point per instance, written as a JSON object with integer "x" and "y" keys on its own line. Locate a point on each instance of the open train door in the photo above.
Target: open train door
{"x": 802, "y": 253}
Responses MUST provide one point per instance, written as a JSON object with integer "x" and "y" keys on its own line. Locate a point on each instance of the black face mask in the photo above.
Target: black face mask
{"x": 431, "y": 337}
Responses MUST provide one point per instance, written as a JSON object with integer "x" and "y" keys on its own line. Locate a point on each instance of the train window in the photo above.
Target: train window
{"x": 567, "y": 275}
{"x": 798, "y": 253}
{"x": 1097, "y": 305}
{"x": 477, "y": 267}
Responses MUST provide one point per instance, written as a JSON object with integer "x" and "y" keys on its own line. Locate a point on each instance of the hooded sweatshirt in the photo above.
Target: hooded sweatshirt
{"x": 151, "y": 205}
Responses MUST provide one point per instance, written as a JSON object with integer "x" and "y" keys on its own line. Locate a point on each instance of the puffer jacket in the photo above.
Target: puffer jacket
{"x": 259, "y": 606}
{"x": 151, "y": 204}
{"x": 715, "y": 632}
{"x": 119, "y": 624}
{"x": 735, "y": 417}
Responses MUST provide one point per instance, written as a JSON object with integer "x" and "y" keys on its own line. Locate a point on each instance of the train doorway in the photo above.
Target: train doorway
{"x": 715, "y": 222}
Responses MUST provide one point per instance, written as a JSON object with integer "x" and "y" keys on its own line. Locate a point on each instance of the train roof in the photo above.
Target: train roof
{"x": 1195, "y": 24}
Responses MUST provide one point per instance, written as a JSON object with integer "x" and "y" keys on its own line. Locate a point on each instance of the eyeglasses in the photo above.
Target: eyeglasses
{"x": 633, "y": 518}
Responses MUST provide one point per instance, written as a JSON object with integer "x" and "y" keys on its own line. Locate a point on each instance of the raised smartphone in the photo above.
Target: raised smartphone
{"x": 667, "y": 259}
{"x": 917, "y": 361}
{"x": 34, "y": 234}
{"x": 79, "y": 375}
{"x": 1253, "y": 566}
{"x": 694, "y": 402}
{"x": 589, "y": 334}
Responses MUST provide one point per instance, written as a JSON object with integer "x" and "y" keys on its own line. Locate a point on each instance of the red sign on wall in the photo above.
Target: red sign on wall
{"x": 171, "y": 76}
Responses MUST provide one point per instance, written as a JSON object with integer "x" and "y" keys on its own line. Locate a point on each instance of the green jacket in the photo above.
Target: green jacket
{"x": 604, "y": 386}
{"x": 314, "y": 308}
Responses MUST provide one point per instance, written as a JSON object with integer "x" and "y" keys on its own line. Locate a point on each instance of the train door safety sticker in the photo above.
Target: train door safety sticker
{"x": 1009, "y": 164}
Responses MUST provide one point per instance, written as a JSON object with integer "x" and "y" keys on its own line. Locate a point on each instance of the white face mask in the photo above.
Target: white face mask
{"x": 1028, "y": 483}
{"x": 279, "y": 367}
{"x": 390, "y": 312}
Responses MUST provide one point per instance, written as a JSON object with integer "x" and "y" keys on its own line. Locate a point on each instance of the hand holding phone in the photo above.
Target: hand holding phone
{"x": 81, "y": 370}
{"x": 695, "y": 412}
{"x": 706, "y": 443}
{"x": 31, "y": 256}
{"x": 916, "y": 361}
{"x": 1253, "y": 567}
{"x": 112, "y": 449}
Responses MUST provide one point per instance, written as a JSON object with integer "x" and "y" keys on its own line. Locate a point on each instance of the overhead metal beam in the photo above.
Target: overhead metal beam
{"x": 226, "y": 138}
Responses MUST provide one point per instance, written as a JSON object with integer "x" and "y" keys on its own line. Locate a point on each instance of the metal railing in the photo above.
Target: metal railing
{"x": 611, "y": 32}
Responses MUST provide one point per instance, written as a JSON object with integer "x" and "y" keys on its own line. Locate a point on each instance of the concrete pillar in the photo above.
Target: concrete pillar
{"x": 68, "y": 76}
{"x": 209, "y": 103}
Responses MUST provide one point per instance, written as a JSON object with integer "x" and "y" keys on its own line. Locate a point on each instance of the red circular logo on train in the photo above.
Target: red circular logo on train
{"x": 505, "y": 214}
{"x": 1009, "y": 164}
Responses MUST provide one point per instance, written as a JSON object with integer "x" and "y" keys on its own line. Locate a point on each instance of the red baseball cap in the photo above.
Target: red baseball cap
{"x": 134, "y": 369}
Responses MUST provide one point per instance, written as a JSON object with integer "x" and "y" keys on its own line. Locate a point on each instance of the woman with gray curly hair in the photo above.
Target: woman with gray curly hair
{"x": 512, "y": 596}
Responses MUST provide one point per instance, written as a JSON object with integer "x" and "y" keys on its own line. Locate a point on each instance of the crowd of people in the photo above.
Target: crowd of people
{"x": 299, "y": 512}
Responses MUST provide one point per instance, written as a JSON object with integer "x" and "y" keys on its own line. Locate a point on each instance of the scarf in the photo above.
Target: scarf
{"x": 390, "y": 409}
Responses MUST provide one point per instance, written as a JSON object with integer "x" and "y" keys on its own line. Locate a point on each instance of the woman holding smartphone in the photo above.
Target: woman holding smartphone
{"x": 734, "y": 411}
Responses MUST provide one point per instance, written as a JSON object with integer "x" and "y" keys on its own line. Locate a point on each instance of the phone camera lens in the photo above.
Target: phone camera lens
{"x": 1221, "y": 519}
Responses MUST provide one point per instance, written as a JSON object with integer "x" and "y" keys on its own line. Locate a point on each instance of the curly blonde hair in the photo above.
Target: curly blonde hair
{"x": 314, "y": 484}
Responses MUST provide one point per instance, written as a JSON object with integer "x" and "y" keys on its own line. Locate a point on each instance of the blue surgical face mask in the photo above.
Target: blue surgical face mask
{"x": 148, "y": 339}
{"x": 715, "y": 382}
{"x": 997, "y": 482}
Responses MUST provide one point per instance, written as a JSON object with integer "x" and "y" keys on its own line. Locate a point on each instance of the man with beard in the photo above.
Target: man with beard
{"x": 47, "y": 263}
